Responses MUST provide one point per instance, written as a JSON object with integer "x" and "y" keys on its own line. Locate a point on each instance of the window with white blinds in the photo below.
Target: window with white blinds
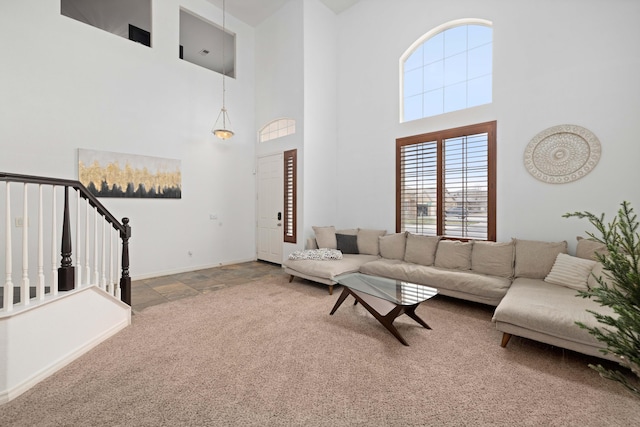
{"x": 445, "y": 183}
{"x": 289, "y": 220}
{"x": 419, "y": 187}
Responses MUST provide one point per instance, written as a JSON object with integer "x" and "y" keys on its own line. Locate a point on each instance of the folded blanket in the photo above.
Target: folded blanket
{"x": 317, "y": 254}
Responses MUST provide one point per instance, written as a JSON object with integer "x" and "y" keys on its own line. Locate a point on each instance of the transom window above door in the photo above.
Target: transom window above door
{"x": 277, "y": 129}
{"x": 449, "y": 68}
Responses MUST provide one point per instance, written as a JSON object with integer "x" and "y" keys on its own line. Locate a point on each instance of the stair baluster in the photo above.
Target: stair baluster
{"x": 24, "y": 286}
{"x": 40, "y": 287}
{"x": 8, "y": 259}
{"x": 66, "y": 272}
{"x": 54, "y": 239}
{"x": 125, "y": 280}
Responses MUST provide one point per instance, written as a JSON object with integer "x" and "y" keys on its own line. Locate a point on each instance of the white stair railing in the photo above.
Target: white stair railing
{"x": 105, "y": 265}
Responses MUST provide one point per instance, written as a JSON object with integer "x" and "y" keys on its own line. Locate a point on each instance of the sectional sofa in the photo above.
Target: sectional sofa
{"x": 532, "y": 284}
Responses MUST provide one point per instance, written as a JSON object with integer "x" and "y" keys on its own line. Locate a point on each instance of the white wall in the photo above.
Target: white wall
{"x": 296, "y": 77}
{"x": 320, "y": 131}
{"x": 570, "y": 62}
{"x": 33, "y": 347}
{"x": 280, "y": 88}
{"x": 66, "y": 85}
{"x": 280, "y": 74}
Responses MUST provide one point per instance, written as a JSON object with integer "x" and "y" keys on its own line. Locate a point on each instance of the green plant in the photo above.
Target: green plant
{"x": 620, "y": 290}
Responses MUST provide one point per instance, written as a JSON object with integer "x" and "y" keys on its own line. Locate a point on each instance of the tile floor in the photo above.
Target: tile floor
{"x": 158, "y": 290}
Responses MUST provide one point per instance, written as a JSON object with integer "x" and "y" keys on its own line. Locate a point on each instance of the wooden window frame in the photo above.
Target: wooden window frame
{"x": 439, "y": 137}
{"x": 290, "y": 217}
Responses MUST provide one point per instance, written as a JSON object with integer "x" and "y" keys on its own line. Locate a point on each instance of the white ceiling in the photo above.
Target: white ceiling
{"x": 253, "y": 12}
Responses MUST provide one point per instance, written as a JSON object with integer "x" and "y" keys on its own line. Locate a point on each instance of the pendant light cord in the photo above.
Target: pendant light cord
{"x": 224, "y": 88}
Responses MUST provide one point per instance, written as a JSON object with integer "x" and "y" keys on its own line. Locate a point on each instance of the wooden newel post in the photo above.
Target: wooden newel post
{"x": 66, "y": 272}
{"x": 125, "y": 280}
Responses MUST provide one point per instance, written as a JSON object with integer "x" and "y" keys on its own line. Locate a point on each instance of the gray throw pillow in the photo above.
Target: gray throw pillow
{"x": 347, "y": 244}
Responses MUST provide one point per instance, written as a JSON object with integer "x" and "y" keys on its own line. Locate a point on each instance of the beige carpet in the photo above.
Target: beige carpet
{"x": 268, "y": 353}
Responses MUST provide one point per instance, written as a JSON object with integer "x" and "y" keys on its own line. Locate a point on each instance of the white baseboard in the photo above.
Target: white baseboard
{"x": 188, "y": 269}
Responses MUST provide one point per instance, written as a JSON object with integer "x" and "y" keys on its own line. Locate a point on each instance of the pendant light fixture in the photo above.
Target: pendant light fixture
{"x": 223, "y": 132}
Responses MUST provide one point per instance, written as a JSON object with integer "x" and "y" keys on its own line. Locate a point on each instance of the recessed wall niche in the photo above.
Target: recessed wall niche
{"x": 201, "y": 44}
{"x": 130, "y": 19}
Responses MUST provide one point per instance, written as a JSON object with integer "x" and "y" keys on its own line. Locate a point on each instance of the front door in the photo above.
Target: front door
{"x": 270, "y": 205}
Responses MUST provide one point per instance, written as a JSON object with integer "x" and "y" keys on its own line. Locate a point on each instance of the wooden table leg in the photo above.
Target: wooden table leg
{"x": 387, "y": 322}
{"x": 411, "y": 312}
{"x": 387, "y": 319}
{"x": 345, "y": 293}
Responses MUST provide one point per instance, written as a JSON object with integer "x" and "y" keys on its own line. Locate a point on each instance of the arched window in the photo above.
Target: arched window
{"x": 276, "y": 129}
{"x": 450, "y": 68}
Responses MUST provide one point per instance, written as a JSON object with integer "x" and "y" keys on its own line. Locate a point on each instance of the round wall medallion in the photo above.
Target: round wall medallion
{"x": 562, "y": 154}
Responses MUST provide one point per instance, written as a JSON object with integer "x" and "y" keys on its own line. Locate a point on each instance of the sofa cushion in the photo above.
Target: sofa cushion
{"x": 326, "y": 237}
{"x": 534, "y": 259}
{"x": 385, "y": 267}
{"x": 549, "y": 309}
{"x": 392, "y": 246}
{"x": 421, "y": 249}
{"x": 329, "y": 269}
{"x": 587, "y": 248}
{"x": 368, "y": 241}
{"x": 347, "y": 244}
{"x": 348, "y": 231}
{"x": 570, "y": 271}
{"x": 454, "y": 254}
{"x": 599, "y": 272}
{"x": 493, "y": 258}
{"x": 462, "y": 284}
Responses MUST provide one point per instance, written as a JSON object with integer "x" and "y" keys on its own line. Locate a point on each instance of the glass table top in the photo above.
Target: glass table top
{"x": 395, "y": 291}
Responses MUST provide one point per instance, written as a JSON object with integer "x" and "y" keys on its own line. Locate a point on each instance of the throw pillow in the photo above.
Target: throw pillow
{"x": 347, "y": 244}
{"x": 570, "y": 271}
{"x": 599, "y": 272}
{"x": 534, "y": 259}
{"x": 421, "y": 249}
{"x": 588, "y": 248}
{"x": 493, "y": 258}
{"x": 392, "y": 246}
{"x": 326, "y": 237}
{"x": 454, "y": 254}
{"x": 348, "y": 231}
{"x": 316, "y": 255}
{"x": 368, "y": 241}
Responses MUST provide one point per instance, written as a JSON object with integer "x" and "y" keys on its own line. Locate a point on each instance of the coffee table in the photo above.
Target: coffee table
{"x": 386, "y": 299}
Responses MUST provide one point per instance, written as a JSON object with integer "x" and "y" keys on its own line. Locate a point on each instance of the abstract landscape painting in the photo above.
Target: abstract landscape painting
{"x": 107, "y": 174}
